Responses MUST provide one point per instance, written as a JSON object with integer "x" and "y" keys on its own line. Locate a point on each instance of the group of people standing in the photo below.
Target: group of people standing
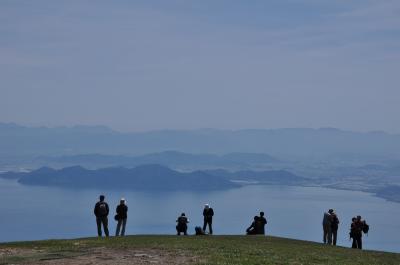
{"x": 101, "y": 211}
{"x": 330, "y": 225}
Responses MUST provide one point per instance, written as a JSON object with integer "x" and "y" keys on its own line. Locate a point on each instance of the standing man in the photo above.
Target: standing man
{"x": 101, "y": 211}
{"x": 261, "y": 224}
{"x": 327, "y": 227}
{"x": 121, "y": 217}
{"x": 358, "y": 227}
{"x": 334, "y": 226}
{"x": 208, "y": 214}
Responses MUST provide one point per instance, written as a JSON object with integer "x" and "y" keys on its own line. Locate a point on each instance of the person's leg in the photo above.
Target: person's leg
{"x": 325, "y": 234}
{"x": 204, "y": 225}
{"x": 123, "y": 227}
{"x": 329, "y": 236}
{"x": 105, "y": 225}
{"x": 210, "y": 227}
{"x": 98, "y": 222}
{"x": 118, "y": 227}
{"x": 360, "y": 242}
{"x": 185, "y": 230}
{"x": 354, "y": 245}
{"x": 177, "y": 230}
{"x": 334, "y": 234}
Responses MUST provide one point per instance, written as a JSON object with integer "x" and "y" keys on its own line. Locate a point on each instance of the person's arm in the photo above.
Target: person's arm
{"x": 95, "y": 209}
{"x": 212, "y": 212}
{"x": 108, "y": 209}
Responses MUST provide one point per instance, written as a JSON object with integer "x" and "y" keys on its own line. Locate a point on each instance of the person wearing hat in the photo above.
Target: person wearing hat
{"x": 208, "y": 214}
{"x": 121, "y": 217}
{"x": 101, "y": 211}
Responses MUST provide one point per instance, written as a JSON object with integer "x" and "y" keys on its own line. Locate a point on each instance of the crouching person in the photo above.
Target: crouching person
{"x": 181, "y": 227}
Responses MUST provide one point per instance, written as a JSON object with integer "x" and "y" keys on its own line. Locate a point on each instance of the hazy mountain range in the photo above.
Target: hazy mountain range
{"x": 21, "y": 140}
{"x": 149, "y": 177}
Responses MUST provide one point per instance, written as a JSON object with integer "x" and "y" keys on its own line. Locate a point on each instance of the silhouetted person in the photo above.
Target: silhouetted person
{"x": 260, "y": 224}
{"x": 334, "y": 227}
{"x": 357, "y": 228}
{"x": 208, "y": 214}
{"x": 353, "y": 232}
{"x": 199, "y": 231}
{"x": 181, "y": 227}
{"x": 252, "y": 229}
{"x": 101, "y": 211}
{"x": 121, "y": 217}
{"x": 327, "y": 227}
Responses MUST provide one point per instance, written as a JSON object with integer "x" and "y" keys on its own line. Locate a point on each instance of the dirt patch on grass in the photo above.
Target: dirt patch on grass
{"x": 100, "y": 256}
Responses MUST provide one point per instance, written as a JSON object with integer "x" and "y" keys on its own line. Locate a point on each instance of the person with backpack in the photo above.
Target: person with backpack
{"x": 208, "y": 214}
{"x": 260, "y": 224}
{"x": 101, "y": 211}
{"x": 327, "y": 227}
{"x": 334, "y": 227}
{"x": 181, "y": 227}
{"x": 121, "y": 217}
{"x": 358, "y": 228}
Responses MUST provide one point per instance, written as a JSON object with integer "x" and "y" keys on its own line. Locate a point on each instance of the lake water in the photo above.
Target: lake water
{"x": 30, "y": 213}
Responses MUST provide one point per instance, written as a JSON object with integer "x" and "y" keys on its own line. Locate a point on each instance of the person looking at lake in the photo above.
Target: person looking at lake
{"x": 181, "y": 227}
{"x": 327, "y": 227}
{"x": 334, "y": 227}
{"x": 208, "y": 214}
{"x": 252, "y": 229}
{"x": 260, "y": 224}
{"x": 101, "y": 211}
{"x": 121, "y": 217}
{"x": 357, "y": 228}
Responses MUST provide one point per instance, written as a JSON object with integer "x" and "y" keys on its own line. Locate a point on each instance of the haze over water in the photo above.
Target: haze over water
{"x": 294, "y": 212}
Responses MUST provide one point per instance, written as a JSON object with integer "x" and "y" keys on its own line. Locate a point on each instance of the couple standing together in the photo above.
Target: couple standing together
{"x": 101, "y": 211}
{"x": 330, "y": 224}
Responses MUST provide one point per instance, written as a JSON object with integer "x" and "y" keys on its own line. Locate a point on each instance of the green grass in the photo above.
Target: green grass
{"x": 209, "y": 249}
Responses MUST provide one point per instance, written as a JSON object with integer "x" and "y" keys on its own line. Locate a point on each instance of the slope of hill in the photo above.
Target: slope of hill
{"x": 187, "y": 250}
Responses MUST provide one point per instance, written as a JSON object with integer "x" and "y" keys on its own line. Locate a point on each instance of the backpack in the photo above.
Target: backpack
{"x": 365, "y": 228}
{"x": 102, "y": 209}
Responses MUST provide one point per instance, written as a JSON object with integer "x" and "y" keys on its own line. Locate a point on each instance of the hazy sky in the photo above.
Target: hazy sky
{"x": 143, "y": 65}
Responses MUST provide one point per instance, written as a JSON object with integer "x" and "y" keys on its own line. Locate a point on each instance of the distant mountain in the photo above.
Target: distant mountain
{"x": 150, "y": 177}
{"x": 19, "y": 140}
{"x": 168, "y": 158}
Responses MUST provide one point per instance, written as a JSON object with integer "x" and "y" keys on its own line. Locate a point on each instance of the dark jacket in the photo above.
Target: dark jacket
{"x": 122, "y": 211}
{"x": 98, "y": 209}
{"x": 260, "y": 225}
{"x": 208, "y": 214}
{"x": 334, "y": 222}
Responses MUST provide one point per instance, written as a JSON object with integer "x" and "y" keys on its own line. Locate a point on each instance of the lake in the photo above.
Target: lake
{"x": 31, "y": 213}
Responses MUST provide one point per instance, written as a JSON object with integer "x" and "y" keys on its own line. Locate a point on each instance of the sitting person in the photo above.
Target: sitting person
{"x": 252, "y": 229}
{"x": 181, "y": 227}
{"x": 199, "y": 231}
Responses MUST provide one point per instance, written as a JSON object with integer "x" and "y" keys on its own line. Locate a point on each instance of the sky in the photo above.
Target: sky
{"x": 181, "y": 64}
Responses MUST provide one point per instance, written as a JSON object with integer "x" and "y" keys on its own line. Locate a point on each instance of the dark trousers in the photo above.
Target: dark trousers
{"x": 334, "y": 237}
{"x": 209, "y": 223}
{"x": 102, "y": 220}
{"x": 327, "y": 237}
{"x": 357, "y": 242}
{"x": 121, "y": 222}
{"x": 181, "y": 229}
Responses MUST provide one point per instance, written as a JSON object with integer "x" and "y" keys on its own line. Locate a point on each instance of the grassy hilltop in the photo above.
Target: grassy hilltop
{"x": 187, "y": 250}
